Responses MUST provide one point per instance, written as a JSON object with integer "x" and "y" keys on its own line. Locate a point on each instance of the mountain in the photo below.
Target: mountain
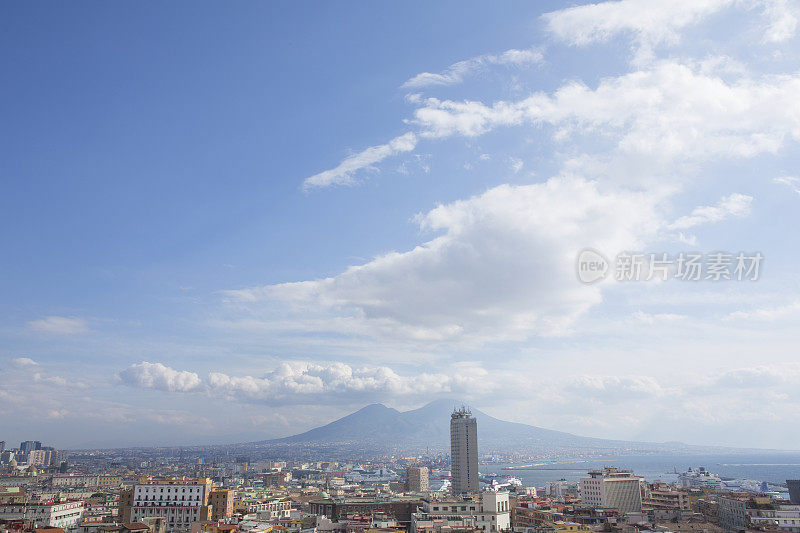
{"x": 379, "y": 427}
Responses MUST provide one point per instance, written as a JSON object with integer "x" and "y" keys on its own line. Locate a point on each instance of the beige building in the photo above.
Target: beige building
{"x": 270, "y": 509}
{"x": 40, "y": 457}
{"x": 417, "y": 479}
{"x": 668, "y": 499}
{"x": 109, "y": 481}
{"x": 221, "y": 501}
{"x": 13, "y": 495}
{"x": 75, "y": 480}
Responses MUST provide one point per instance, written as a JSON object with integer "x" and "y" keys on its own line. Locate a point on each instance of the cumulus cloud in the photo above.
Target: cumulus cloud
{"x": 650, "y": 24}
{"x": 24, "y": 362}
{"x": 160, "y": 377}
{"x": 456, "y": 72}
{"x": 303, "y": 382}
{"x": 615, "y": 388}
{"x": 343, "y": 173}
{"x": 669, "y": 111}
{"x": 760, "y": 376}
{"x": 735, "y": 205}
{"x": 59, "y": 325}
{"x": 502, "y": 267}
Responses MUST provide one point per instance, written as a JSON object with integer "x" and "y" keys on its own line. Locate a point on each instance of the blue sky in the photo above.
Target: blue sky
{"x": 238, "y": 221}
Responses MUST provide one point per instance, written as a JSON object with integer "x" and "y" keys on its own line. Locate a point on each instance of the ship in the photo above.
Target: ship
{"x": 699, "y": 478}
{"x": 378, "y": 475}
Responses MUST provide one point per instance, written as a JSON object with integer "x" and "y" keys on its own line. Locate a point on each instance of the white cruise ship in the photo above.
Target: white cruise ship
{"x": 379, "y": 475}
{"x": 699, "y": 478}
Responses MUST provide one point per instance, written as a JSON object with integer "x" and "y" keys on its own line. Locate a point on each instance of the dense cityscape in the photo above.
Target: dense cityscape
{"x": 178, "y": 490}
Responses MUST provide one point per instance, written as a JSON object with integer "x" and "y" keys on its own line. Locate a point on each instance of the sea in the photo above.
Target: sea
{"x": 773, "y": 467}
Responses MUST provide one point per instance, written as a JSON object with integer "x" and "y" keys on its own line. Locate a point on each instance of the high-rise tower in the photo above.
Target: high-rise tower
{"x": 463, "y": 452}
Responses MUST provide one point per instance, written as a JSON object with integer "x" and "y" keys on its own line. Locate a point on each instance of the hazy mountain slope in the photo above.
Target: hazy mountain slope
{"x": 429, "y": 426}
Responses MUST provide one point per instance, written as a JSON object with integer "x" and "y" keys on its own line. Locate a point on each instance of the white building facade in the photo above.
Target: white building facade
{"x": 54, "y": 514}
{"x": 786, "y": 517}
{"x": 612, "y": 489}
{"x": 180, "y": 503}
{"x": 488, "y": 511}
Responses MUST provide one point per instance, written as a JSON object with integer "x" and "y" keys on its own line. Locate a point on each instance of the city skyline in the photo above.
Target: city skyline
{"x": 231, "y": 223}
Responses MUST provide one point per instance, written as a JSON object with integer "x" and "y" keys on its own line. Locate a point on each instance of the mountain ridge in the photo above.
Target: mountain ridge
{"x": 376, "y": 426}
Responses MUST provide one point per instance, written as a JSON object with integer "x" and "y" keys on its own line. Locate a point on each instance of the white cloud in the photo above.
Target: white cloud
{"x": 767, "y": 313}
{"x": 687, "y": 239}
{"x": 503, "y": 267}
{"x": 781, "y": 16}
{"x": 790, "y": 181}
{"x": 734, "y": 205}
{"x": 23, "y": 362}
{"x": 343, "y": 173}
{"x": 657, "y": 318}
{"x": 60, "y": 325}
{"x": 614, "y": 388}
{"x": 650, "y": 24}
{"x": 50, "y": 380}
{"x": 301, "y": 382}
{"x": 669, "y": 111}
{"x": 761, "y": 376}
{"x": 656, "y": 24}
{"x": 160, "y": 377}
{"x": 456, "y": 72}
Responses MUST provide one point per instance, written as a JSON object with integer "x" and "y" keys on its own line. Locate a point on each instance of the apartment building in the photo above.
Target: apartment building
{"x": 667, "y": 499}
{"x": 487, "y": 511}
{"x": 180, "y": 501}
{"x": 611, "y": 488}
{"x": 75, "y": 480}
{"x": 417, "y": 479}
{"x": 739, "y": 513}
{"x": 63, "y": 514}
{"x": 557, "y": 527}
{"x": 272, "y": 508}
{"x": 221, "y": 501}
{"x": 786, "y": 517}
{"x": 398, "y": 508}
{"x": 732, "y": 513}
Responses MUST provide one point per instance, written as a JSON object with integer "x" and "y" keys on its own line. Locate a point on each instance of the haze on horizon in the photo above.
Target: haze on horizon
{"x": 234, "y": 222}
